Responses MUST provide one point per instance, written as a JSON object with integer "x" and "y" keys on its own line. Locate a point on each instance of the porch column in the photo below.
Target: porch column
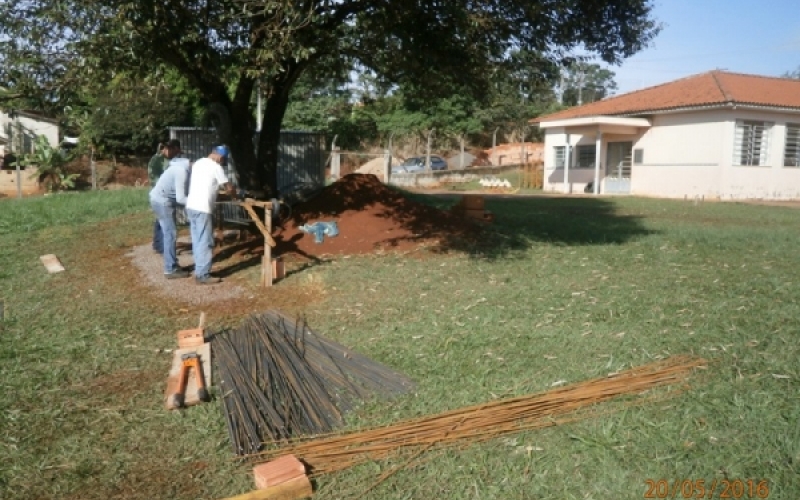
{"x": 566, "y": 168}
{"x": 597, "y": 148}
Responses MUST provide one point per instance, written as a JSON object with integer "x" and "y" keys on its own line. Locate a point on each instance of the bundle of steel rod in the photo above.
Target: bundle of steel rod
{"x": 279, "y": 379}
{"x": 486, "y": 421}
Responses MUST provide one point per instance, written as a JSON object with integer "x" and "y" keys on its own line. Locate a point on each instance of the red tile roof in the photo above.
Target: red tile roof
{"x": 713, "y": 89}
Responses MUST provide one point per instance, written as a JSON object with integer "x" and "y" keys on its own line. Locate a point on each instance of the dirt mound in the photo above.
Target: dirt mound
{"x": 370, "y": 217}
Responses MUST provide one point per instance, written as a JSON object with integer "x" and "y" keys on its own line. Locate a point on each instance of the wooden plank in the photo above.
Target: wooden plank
{"x": 266, "y": 232}
{"x": 266, "y": 260}
{"x": 51, "y": 263}
{"x": 256, "y": 203}
{"x": 191, "y": 397}
{"x": 299, "y": 487}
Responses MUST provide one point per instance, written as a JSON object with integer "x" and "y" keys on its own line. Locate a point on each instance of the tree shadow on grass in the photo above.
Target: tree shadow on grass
{"x": 247, "y": 251}
{"x": 520, "y": 221}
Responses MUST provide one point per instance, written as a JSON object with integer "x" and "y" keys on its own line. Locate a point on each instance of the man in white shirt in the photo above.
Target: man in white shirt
{"x": 206, "y": 180}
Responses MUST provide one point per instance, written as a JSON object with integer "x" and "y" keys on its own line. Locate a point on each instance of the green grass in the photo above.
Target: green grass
{"x": 514, "y": 177}
{"x": 570, "y": 289}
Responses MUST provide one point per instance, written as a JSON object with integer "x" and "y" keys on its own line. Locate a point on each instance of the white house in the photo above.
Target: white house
{"x": 18, "y": 130}
{"x": 715, "y": 135}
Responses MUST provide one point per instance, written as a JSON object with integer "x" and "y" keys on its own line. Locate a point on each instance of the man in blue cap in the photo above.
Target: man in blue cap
{"x": 208, "y": 177}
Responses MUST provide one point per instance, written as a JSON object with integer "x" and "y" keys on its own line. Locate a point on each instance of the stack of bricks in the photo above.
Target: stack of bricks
{"x": 285, "y": 476}
{"x": 473, "y": 206}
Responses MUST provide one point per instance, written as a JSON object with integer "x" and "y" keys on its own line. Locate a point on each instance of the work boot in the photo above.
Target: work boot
{"x": 207, "y": 280}
{"x": 178, "y": 273}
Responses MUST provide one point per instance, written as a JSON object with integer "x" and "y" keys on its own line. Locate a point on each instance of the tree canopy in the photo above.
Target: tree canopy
{"x": 225, "y": 49}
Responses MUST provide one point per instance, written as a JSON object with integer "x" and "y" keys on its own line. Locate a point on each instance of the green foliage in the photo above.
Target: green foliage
{"x": 792, "y": 74}
{"x": 49, "y": 163}
{"x": 128, "y": 114}
{"x": 584, "y": 82}
{"x": 431, "y": 50}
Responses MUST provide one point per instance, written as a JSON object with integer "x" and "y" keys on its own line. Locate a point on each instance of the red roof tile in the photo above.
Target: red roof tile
{"x": 706, "y": 89}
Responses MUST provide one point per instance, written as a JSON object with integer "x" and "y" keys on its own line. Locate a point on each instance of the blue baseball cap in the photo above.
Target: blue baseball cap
{"x": 221, "y": 150}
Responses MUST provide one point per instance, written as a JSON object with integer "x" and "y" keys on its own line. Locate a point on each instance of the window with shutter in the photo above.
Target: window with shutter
{"x": 791, "y": 151}
{"x": 585, "y": 156}
{"x": 560, "y": 156}
{"x": 751, "y": 143}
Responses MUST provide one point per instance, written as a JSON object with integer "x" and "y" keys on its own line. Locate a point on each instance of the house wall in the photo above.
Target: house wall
{"x": 21, "y": 131}
{"x": 683, "y": 155}
{"x": 28, "y": 184}
{"x": 689, "y": 155}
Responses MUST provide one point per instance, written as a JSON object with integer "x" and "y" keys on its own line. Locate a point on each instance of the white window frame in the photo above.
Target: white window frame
{"x": 585, "y": 156}
{"x": 791, "y": 148}
{"x": 559, "y": 156}
{"x": 751, "y": 143}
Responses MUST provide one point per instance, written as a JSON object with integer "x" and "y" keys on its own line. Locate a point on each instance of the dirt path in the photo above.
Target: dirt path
{"x": 151, "y": 267}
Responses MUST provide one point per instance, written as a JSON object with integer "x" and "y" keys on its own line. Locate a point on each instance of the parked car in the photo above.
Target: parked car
{"x": 417, "y": 164}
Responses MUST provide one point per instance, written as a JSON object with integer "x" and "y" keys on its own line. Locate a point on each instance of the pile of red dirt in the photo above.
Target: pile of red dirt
{"x": 371, "y": 217}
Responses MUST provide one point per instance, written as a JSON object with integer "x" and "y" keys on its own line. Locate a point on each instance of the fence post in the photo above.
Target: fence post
{"x": 493, "y": 160}
{"x": 387, "y": 166}
{"x": 428, "y": 151}
{"x": 335, "y": 163}
{"x": 19, "y": 181}
{"x": 461, "y": 158}
{"x": 93, "y": 166}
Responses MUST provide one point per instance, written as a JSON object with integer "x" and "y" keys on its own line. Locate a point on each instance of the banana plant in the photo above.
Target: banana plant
{"x": 49, "y": 163}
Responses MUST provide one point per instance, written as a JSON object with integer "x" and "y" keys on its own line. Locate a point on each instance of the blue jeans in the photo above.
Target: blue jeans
{"x": 158, "y": 237}
{"x": 166, "y": 219}
{"x": 201, "y": 227}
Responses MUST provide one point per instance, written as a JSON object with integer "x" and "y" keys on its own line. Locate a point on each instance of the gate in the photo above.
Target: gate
{"x": 301, "y": 155}
{"x": 618, "y": 165}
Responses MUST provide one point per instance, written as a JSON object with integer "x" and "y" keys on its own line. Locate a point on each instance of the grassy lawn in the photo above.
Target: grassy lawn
{"x": 515, "y": 177}
{"x": 569, "y": 289}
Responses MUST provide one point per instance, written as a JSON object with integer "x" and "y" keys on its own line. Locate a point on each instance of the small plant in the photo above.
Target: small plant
{"x": 49, "y": 163}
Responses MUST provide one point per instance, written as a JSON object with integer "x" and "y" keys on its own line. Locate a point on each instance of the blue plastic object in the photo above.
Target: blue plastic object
{"x": 320, "y": 230}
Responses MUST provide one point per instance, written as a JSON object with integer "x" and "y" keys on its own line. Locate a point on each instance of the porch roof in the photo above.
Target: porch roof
{"x": 606, "y": 124}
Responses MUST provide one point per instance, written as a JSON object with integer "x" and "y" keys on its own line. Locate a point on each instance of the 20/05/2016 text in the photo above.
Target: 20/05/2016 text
{"x": 700, "y": 488}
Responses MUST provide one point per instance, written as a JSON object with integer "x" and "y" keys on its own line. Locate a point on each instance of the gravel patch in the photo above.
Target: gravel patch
{"x": 151, "y": 267}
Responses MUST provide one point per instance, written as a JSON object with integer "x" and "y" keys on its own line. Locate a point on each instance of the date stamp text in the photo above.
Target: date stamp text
{"x": 702, "y": 488}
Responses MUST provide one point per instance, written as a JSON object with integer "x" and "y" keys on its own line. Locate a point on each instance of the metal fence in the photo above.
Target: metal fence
{"x": 301, "y": 155}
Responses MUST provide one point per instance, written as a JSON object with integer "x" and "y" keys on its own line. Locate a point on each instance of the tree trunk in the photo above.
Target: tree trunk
{"x": 257, "y": 164}
{"x": 269, "y": 139}
{"x": 240, "y": 136}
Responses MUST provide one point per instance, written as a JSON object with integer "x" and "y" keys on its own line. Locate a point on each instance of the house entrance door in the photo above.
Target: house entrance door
{"x": 618, "y": 167}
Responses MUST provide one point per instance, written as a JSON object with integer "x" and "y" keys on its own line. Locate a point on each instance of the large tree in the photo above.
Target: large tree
{"x": 583, "y": 82}
{"x": 229, "y": 48}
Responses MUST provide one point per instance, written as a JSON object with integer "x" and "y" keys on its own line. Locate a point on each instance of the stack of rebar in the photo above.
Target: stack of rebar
{"x": 486, "y": 421}
{"x": 279, "y": 379}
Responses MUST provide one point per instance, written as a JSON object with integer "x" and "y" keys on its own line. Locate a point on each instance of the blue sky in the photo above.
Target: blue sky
{"x": 745, "y": 36}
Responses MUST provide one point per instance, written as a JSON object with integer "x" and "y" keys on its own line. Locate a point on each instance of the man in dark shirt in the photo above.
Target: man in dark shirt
{"x": 157, "y": 165}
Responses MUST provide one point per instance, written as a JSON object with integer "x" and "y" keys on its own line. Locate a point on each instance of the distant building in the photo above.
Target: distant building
{"x": 18, "y": 130}
{"x": 716, "y": 135}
